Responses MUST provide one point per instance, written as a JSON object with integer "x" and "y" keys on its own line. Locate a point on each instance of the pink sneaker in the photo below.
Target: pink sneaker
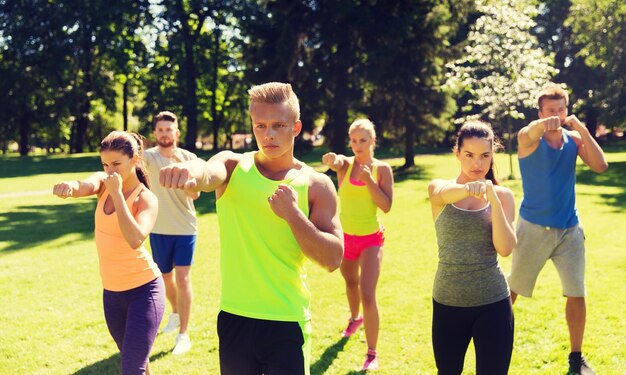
{"x": 371, "y": 361}
{"x": 353, "y": 325}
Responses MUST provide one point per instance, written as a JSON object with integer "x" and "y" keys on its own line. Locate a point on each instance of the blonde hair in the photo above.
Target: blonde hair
{"x": 276, "y": 93}
{"x": 554, "y": 93}
{"x": 364, "y": 124}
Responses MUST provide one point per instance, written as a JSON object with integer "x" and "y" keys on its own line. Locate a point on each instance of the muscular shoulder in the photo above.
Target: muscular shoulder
{"x": 229, "y": 158}
{"x": 503, "y": 192}
{"x": 437, "y": 183}
{"x": 146, "y": 199}
{"x": 320, "y": 185}
{"x": 383, "y": 166}
{"x": 149, "y": 154}
{"x": 188, "y": 155}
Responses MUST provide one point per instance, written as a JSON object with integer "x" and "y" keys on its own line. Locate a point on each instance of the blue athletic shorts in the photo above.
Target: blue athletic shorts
{"x": 170, "y": 250}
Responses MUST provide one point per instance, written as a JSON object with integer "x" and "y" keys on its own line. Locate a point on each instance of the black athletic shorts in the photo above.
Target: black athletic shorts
{"x": 251, "y": 346}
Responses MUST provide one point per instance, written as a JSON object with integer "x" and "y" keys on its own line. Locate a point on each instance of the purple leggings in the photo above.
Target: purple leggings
{"x": 133, "y": 317}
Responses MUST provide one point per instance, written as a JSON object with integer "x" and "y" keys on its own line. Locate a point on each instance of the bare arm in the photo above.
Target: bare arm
{"x": 442, "y": 192}
{"x": 336, "y": 162}
{"x": 199, "y": 175}
{"x": 502, "y": 216}
{"x": 588, "y": 149}
{"x": 80, "y": 188}
{"x": 135, "y": 228}
{"x": 179, "y": 156}
{"x": 382, "y": 193}
{"x": 320, "y": 236}
{"x": 528, "y": 137}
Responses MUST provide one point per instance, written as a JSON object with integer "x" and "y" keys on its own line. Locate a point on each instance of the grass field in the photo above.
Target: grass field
{"x": 52, "y": 320}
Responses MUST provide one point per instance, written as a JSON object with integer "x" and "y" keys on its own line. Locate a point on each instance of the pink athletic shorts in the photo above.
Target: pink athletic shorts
{"x": 355, "y": 245}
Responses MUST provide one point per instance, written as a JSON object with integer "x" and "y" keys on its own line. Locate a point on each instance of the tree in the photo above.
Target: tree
{"x": 502, "y": 68}
{"x": 584, "y": 82}
{"x": 33, "y": 71}
{"x": 599, "y": 26}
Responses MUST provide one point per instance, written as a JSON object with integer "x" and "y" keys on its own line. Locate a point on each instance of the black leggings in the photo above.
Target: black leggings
{"x": 491, "y": 327}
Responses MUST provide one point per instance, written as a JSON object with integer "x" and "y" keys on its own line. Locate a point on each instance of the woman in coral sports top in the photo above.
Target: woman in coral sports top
{"x": 134, "y": 294}
{"x": 365, "y": 185}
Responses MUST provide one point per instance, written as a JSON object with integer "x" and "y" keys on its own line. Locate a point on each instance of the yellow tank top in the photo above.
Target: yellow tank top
{"x": 261, "y": 261}
{"x": 358, "y": 212}
{"x": 121, "y": 267}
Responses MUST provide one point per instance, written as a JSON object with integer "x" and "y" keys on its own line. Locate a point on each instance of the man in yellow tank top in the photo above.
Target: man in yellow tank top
{"x": 274, "y": 211}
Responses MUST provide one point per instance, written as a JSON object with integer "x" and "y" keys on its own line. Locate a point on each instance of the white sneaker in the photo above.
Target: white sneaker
{"x": 172, "y": 324}
{"x": 183, "y": 344}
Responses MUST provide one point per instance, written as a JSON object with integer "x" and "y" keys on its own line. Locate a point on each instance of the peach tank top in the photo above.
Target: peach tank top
{"x": 121, "y": 267}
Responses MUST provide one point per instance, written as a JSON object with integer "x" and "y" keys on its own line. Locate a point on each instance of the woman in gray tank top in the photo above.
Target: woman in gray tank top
{"x": 474, "y": 223}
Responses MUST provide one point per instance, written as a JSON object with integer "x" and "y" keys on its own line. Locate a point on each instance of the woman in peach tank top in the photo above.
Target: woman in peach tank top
{"x": 134, "y": 294}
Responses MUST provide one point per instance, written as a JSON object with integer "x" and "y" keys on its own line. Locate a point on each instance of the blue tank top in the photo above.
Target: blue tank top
{"x": 548, "y": 180}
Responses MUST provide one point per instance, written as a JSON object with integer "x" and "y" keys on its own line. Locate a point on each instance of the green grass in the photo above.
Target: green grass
{"x": 52, "y": 320}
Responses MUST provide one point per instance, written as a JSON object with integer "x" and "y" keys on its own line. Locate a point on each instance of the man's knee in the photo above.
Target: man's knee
{"x": 183, "y": 275}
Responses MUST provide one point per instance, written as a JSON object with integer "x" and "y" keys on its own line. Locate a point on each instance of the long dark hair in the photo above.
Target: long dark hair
{"x": 481, "y": 130}
{"x": 130, "y": 144}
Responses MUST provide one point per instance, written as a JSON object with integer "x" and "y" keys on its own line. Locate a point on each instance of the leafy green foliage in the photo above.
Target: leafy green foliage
{"x": 600, "y": 27}
{"x": 502, "y": 67}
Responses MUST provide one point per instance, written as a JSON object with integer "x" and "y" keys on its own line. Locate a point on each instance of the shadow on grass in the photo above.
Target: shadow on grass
{"x": 25, "y": 227}
{"x": 111, "y": 365}
{"x": 29, "y": 166}
{"x": 29, "y": 226}
{"x": 205, "y": 204}
{"x": 615, "y": 176}
{"x": 416, "y": 172}
{"x": 326, "y": 359}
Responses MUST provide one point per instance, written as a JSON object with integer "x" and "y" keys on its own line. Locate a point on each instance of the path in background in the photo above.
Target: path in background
{"x": 25, "y": 194}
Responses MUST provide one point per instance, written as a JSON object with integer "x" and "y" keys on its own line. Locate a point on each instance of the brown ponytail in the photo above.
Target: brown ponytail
{"x": 129, "y": 144}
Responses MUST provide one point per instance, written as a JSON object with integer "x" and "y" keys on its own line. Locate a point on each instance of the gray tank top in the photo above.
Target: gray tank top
{"x": 468, "y": 273}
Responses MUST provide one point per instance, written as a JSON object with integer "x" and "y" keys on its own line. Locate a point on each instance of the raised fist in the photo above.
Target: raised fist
{"x": 476, "y": 189}
{"x": 175, "y": 176}
{"x": 551, "y": 123}
{"x": 63, "y": 189}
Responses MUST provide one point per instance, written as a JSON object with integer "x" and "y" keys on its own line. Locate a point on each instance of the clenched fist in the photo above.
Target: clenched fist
{"x": 476, "y": 189}
{"x": 113, "y": 183}
{"x": 551, "y": 123}
{"x": 284, "y": 201}
{"x": 63, "y": 189}
{"x": 177, "y": 176}
{"x": 331, "y": 160}
{"x": 574, "y": 123}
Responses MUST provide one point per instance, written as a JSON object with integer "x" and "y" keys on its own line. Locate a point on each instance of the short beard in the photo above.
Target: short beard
{"x": 165, "y": 144}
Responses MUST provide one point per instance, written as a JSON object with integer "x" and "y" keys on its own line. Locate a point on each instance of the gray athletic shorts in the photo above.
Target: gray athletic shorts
{"x": 535, "y": 245}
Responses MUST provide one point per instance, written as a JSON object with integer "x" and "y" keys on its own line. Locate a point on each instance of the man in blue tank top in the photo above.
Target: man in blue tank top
{"x": 548, "y": 227}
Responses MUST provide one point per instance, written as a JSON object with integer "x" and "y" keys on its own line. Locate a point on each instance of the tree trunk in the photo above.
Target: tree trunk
{"x": 409, "y": 144}
{"x": 125, "y": 104}
{"x": 591, "y": 119}
{"x": 190, "y": 106}
{"x": 338, "y": 114}
{"x": 509, "y": 147}
{"x": 214, "y": 78}
{"x": 25, "y": 127}
{"x": 82, "y": 120}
